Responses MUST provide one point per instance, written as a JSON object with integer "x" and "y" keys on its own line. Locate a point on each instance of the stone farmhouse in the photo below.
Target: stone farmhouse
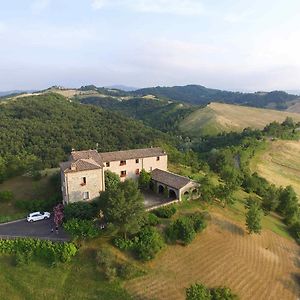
{"x": 82, "y": 176}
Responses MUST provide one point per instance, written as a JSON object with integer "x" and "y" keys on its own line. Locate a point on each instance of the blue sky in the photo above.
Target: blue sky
{"x": 238, "y": 45}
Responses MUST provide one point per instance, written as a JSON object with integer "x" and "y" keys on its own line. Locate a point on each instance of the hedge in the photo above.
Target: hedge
{"x": 39, "y": 249}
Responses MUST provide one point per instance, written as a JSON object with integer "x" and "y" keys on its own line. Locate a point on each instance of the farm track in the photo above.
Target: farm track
{"x": 255, "y": 267}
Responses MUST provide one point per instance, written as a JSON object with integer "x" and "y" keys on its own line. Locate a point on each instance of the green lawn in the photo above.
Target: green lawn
{"x": 25, "y": 188}
{"x": 76, "y": 280}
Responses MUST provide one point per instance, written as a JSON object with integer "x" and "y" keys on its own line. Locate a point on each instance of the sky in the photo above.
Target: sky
{"x": 228, "y": 44}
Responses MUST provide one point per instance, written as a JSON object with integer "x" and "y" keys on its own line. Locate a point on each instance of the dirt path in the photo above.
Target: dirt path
{"x": 262, "y": 266}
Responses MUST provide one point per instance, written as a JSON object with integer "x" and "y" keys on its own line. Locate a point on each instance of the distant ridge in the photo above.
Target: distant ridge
{"x": 199, "y": 95}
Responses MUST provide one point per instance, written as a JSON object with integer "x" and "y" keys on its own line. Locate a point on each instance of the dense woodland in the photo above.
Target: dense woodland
{"x": 156, "y": 113}
{"x": 40, "y": 131}
{"x": 197, "y": 94}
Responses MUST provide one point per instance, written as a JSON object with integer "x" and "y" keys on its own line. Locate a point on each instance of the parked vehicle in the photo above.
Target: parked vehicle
{"x": 37, "y": 216}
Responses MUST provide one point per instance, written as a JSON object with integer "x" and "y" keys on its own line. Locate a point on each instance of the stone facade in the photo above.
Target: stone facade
{"x": 82, "y": 177}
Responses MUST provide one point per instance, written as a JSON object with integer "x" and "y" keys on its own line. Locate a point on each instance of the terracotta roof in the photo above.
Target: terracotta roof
{"x": 86, "y": 154}
{"x": 79, "y": 165}
{"x": 131, "y": 154}
{"x": 170, "y": 179}
{"x": 91, "y": 159}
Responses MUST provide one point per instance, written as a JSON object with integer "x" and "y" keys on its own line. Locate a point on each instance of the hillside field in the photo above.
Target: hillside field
{"x": 219, "y": 117}
{"x": 280, "y": 164}
{"x": 262, "y": 266}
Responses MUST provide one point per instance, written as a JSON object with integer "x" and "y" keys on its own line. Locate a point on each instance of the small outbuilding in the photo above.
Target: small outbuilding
{"x": 174, "y": 186}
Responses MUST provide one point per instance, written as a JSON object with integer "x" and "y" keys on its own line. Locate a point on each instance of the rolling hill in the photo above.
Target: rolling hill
{"x": 218, "y": 117}
{"x": 280, "y": 164}
{"x": 199, "y": 95}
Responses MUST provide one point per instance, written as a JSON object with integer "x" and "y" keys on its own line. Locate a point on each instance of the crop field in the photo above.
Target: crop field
{"x": 280, "y": 164}
{"x": 219, "y": 117}
{"x": 262, "y": 266}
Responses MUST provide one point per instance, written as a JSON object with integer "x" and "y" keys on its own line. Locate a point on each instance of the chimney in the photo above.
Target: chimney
{"x": 73, "y": 167}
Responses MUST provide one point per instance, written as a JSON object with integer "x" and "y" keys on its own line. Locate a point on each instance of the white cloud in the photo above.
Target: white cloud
{"x": 39, "y": 6}
{"x": 178, "y": 7}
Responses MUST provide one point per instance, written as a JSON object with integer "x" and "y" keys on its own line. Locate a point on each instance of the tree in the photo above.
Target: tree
{"x": 270, "y": 200}
{"x": 207, "y": 189}
{"x": 224, "y": 193}
{"x": 181, "y": 229}
{"x": 288, "y": 204}
{"x": 112, "y": 180}
{"x": 198, "y": 291}
{"x": 253, "y": 218}
{"x": 149, "y": 242}
{"x": 144, "y": 180}
{"x": 124, "y": 207}
{"x": 288, "y": 122}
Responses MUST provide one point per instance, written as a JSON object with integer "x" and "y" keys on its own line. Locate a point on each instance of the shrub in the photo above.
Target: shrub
{"x": 81, "y": 228}
{"x": 128, "y": 271}
{"x": 37, "y": 205}
{"x": 105, "y": 261}
{"x": 165, "y": 211}
{"x": 122, "y": 243}
{"x": 199, "y": 222}
{"x": 223, "y": 293}
{"x": 148, "y": 243}
{"x": 79, "y": 210}
{"x": 6, "y": 196}
{"x": 295, "y": 230}
{"x": 39, "y": 249}
{"x": 198, "y": 291}
{"x": 181, "y": 229}
{"x": 152, "y": 220}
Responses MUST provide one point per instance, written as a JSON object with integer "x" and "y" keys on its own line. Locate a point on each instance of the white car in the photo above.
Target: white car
{"x": 38, "y": 215}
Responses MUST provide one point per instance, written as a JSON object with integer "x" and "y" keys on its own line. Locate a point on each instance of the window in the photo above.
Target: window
{"x": 137, "y": 171}
{"x": 123, "y": 174}
{"x": 83, "y": 182}
{"x": 122, "y": 162}
{"x": 157, "y": 158}
{"x": 86, "y": 195}
{"x": 108, "y": 164}
{"x": 137, "y": 161}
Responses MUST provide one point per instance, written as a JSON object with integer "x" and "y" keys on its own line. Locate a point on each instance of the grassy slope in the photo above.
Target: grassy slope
{"x": 24, "y": 188}
{"x": 280, "y": 164}
{"x": 218, "y": 117}
{"x": 255, "y": 267}
{"x": 76, "y": 280}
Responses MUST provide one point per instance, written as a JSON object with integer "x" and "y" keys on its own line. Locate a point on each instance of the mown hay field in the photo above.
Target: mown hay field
{"x": 219, "y": 117}
{"x": 280, "y": 164}
{"x": 262, "y": 266}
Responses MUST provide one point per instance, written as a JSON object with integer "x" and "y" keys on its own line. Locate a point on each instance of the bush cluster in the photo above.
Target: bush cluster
{"x": 107, "y": 263}
{"x": 165, "y": 211}
{"x": 37, "y": 205}
{"x": 80, "y": 210}
{"x": 184, "y": 229}
{"x": 6, "y": 196}
{"x": 26, "y": 249}
{"x": 146, "y": 244}
{"x": 81, "y": 228}
{"x": 151, "y": 220}
{"x": 199, "y": 291}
